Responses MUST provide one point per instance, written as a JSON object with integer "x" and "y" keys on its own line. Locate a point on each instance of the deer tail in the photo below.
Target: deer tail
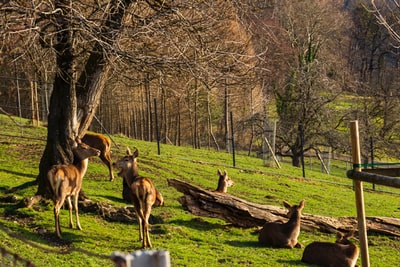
{"x": 56, "y": 176}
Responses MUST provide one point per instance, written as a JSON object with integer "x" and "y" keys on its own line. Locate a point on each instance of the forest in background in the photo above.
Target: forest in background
{"x": 318, "y": 64}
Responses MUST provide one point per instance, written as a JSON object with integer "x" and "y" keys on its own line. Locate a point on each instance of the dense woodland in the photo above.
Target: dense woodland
{"x": 274, "y": 66}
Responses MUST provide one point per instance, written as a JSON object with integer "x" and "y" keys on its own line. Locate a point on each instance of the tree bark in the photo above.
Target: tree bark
{"x": 242, "y": 213}
{"x": 61, "y": 129}
{"x": 73, "y": 102}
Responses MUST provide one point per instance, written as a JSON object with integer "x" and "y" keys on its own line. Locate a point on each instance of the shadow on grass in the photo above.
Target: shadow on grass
{"x": 292, "y": 263}
{"x": 242, "y": 244}
{"x": 18, "y": 173}
{"x": 18, "y": 188}
{"x": 43, "y": 240}
{"x": 198, "y": 224}
{"x": 112, "y": 198}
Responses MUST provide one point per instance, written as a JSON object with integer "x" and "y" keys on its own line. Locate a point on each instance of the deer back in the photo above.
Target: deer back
{"x": 145, "y": 192}
{"x": 97, "y": 141}
{"x": 67, "y": 178}
{"x": 102, "y": 143}
{"x": 279, "y": 234}
{"x": 64, "y": 178}
{"x": 342, "y": 253}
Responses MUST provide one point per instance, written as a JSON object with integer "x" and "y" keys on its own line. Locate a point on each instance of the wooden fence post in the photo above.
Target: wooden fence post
{"x": 362, "y": 226}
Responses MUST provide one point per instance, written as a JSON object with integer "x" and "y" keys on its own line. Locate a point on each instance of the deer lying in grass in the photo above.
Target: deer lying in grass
{"x": 66, "y": 181}
{"x": 284, "y": 235}
{"x": 159, "y": 199}
{"x": 103, "y": 144}
{"x": 342, "y": 253}
{"x": 144, "y": 194}
{"x": 224, "y": 182}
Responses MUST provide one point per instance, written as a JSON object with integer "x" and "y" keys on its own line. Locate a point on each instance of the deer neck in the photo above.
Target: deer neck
{"x": 295, "y": 219}
{"x": 82, "y": 166}
{"x": 222, "y": 187}
{"x": 132, "y": 174}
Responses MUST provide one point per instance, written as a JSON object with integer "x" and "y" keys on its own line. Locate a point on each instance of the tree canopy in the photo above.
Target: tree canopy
{"x": 287, "y": 62}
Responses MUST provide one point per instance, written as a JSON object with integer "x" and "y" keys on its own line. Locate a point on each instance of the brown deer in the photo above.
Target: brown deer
{"x": 224, "y": 182}
{"x": 284, "y": 235}
{"x": 342, "y": 253}
{"x": 144, "y": 194}
{"x": 66, "y": 181}
{"x": 159, "y": 199}
{"x": 103, "y": 144}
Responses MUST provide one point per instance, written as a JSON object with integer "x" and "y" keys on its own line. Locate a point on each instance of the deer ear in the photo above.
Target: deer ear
{"x": 136, "y": 153}
{"x": 286, "y": 204}
{"x": 339, "y": 235}
{"x": 225, "y": 173}
{"x": 219, "y": 172}
{"x": 349, "y": 234}
{"x": 302, "y": 203}
{"x": 128, "y": 151}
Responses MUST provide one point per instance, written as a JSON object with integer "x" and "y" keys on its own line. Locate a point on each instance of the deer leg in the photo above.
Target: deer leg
{"x": 57, "y": 208}
{"x": 107, "y": 160}
{"x": 57, "y": 220}
{"x": 146, "y": 227}
{"x": 140, "y": 226}
{"x": 298, "y": 245}
{"x": 78, "y": 224}
{"x": 71, "y": 223}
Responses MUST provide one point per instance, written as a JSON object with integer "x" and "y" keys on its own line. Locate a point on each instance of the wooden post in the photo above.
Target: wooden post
{"x": 362, "y": 226}
{"x": 272, "y": 153}
{"x": 322, "y": 161}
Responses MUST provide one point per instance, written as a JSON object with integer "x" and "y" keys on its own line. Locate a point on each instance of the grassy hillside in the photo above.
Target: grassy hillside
{"x": 191, "y": 240}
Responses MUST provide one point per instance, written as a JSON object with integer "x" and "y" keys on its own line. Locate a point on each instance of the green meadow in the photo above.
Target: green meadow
{"x": 190, "y": 240}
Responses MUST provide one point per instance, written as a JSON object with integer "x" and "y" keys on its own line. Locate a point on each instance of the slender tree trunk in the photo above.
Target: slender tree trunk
{"x": 148, "y": 108}
{"x": 210, "y": 128}
{"x": 226, "y": 118}
{"x": 165, "y": 115}
{"x": 142, "y": 110}
{"x": 196, "y": 141}
{"x": 178, "y": 124}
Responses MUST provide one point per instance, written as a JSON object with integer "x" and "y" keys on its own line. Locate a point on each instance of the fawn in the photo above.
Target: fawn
{"x": 278, "y": 234}
{"x": 103, "y": 144}
{"x": 342, "y": 253}
{"x": 66, "y": 181}
{"x": 144, "y": 194}
{"x": 224, "y": 182}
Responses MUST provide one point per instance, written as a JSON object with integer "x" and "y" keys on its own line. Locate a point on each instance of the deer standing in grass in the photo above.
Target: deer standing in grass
{"x": 66, "y": 182}
{"x": 224, "y": 182}
{"x": 342, "y": 253}
{"x": 103, "y": 144}
{"x": 284, "y": 235}
{"x": 144, "y": 194}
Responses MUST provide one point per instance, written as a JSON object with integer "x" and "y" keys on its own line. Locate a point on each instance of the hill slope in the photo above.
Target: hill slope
{"x": 191, "y": 240}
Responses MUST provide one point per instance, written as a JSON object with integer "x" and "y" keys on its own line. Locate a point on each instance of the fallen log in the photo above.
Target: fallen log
{"x": 242, "y": 213}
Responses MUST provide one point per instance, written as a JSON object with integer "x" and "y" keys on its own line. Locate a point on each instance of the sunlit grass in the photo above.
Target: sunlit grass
{"x": 191, "y": 240}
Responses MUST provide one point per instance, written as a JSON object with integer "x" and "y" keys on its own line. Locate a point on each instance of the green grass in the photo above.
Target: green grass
{"x": 191, "y": 240}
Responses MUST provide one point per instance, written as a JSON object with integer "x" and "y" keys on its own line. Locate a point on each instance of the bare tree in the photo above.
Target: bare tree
{"x": 315, "y": 77}
{"x": 375, "y": 63}
{"x": 388, "y": 15}
{"x": 84, "y": 39}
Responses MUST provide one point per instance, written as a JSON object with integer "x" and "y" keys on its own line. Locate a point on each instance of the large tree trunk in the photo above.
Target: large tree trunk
{"x": 243, "y": 213}
{"x": 61, "y": 130}
{"x": 73, "y": 103}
